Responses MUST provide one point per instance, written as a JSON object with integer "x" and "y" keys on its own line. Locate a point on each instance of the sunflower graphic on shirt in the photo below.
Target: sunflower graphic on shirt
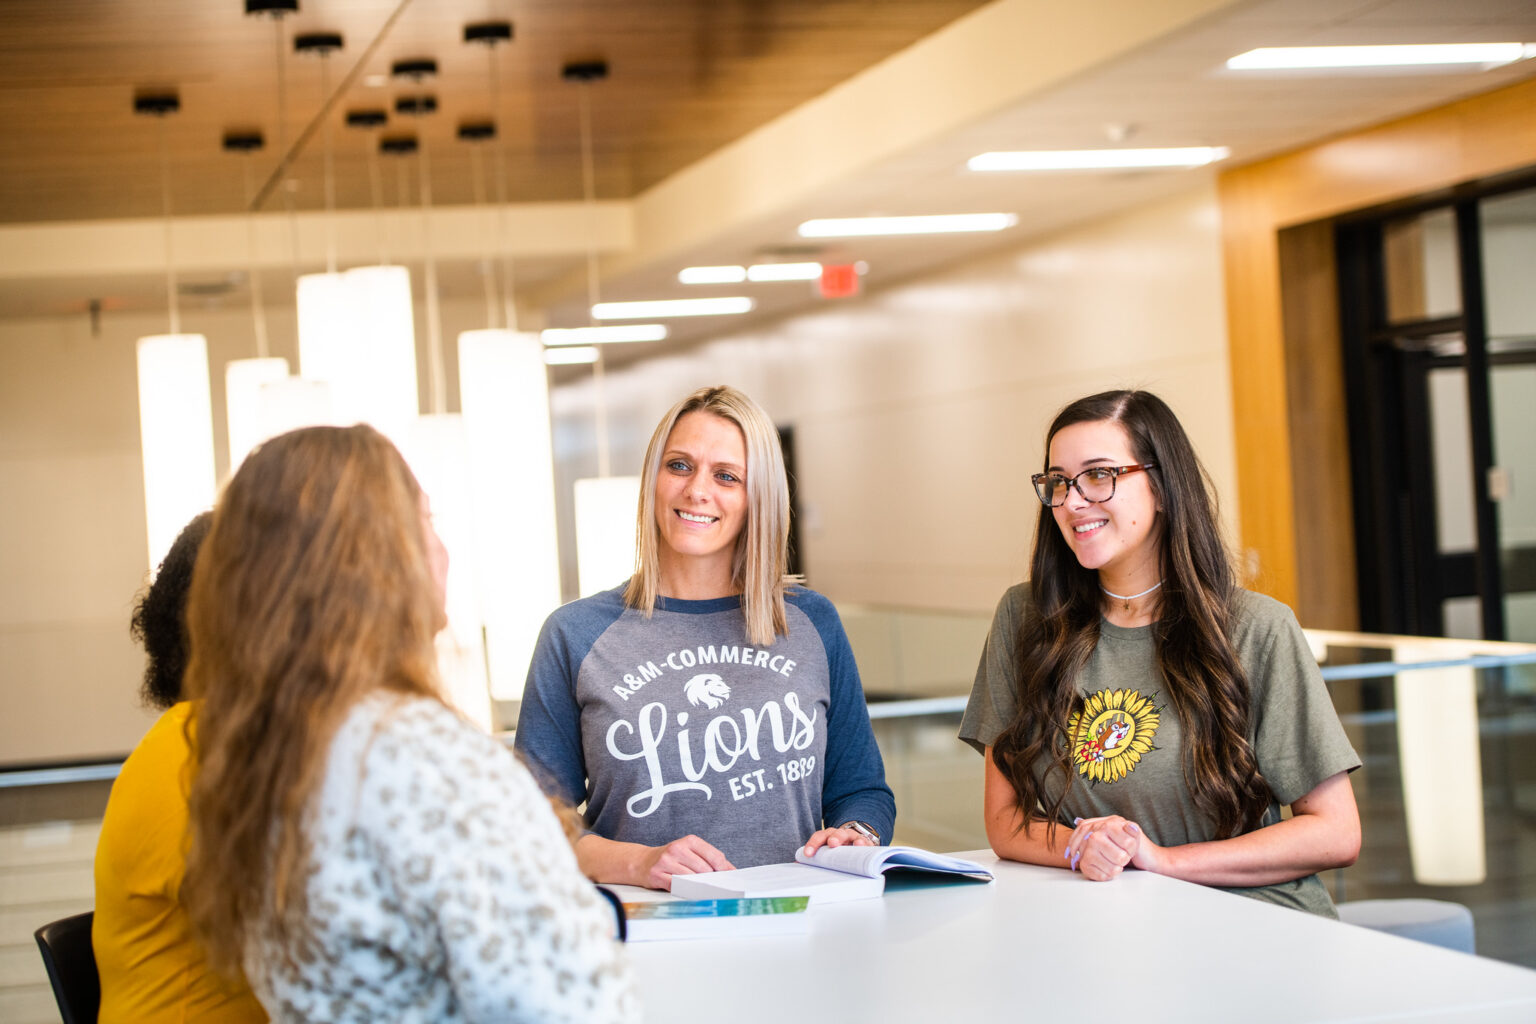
{"x": 1111, "y": 733}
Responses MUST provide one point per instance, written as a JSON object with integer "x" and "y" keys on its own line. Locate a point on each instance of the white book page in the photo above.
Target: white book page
{"x": 854, "y": 860}
{"x": 871, "y": 861}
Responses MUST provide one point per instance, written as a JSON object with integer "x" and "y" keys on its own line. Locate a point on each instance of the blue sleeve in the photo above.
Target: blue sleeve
{"x": 549, "y": 720}
{"x": 854, "y": 787}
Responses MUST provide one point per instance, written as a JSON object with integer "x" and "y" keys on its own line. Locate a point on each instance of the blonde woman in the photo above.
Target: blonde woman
{"x": 708, "y": 712}
{"x": 363, "y": 852}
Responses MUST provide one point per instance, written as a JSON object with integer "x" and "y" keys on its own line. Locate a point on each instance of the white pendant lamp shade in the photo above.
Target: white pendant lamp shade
{"x": 293, "y": 402}
{"x": 1439, "y": 750}
{"x": 438, "y": 456}
{"x": 605, "y": 531}
{"x": 244, "y": 381}
{"x": 357, "y": 334}
{"x": 176, "y": 430}
{"x": 504, "y": 392}
{"x": 387, "y": 327}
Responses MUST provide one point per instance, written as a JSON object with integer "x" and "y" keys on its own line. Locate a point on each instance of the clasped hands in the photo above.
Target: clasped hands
{"x": 1101, "y": 848}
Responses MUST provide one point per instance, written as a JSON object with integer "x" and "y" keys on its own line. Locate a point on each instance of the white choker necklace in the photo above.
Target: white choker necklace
{"x": 1128, "y": 598}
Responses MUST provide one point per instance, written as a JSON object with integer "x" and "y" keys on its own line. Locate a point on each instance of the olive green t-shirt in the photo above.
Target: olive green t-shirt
{"x": 1131, "y": 760}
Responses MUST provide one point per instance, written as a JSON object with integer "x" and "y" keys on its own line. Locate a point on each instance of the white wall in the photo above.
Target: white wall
{"x": 919, "y": 411}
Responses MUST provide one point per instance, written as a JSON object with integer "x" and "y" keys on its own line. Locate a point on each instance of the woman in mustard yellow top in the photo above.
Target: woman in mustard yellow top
{"x": 151, "y": 969}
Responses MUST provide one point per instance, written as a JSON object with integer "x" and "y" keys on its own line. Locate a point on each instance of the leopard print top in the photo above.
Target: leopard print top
{"x": 441, "y": 888}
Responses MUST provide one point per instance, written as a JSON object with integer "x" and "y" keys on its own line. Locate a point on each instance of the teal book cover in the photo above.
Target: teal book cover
{"x": 724, "y": 918}
{"x": 664, "y": 910}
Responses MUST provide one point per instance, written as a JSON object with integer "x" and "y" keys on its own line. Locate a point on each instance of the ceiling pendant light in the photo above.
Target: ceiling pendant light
{"x": 175, "y": 406}
{"x": 504, "y": 403}
{"x": 245, "y": 380}
{"x": 605, "y": 504}
{"x": 356, "y": 327}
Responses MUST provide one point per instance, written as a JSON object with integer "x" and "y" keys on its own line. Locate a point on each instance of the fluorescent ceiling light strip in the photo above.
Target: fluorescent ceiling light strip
{"x": 712, "y": 275}
{"x": 1273, "y": 57}
{"x": 570, "y": 355}
{"x": 784, "y": 272}
{"x": 603, "y": 335}
{"x": 671, "y": 307}
{"x": 933, "y": 224}
{"x": 1097, "y": 159}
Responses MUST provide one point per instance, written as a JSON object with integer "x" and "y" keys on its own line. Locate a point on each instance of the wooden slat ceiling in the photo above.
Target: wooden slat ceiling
{"x": 686, "y": 77}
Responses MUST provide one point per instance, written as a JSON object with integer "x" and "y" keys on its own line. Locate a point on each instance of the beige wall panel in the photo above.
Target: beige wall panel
{"x": 71, "y": 691}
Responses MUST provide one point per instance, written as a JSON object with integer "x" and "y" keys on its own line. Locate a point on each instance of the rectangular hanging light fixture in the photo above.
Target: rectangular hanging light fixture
{"x": 571, "y": 355}
{"x": 605, "y": 531}
{"x": 672, "y": 307}
{"x": 504, "y": 392}
{"x": 712, "y": 275}
{"x": 176, "y": 431}
{"x": 289, "y": 403}
{"x": 931, "y": 224}
{"x": 784, "y": 272}
{"x": 439, "y": 456}
{"x": 357, "y": 334}
{"x": 244, "y": 381}
{"x": 1097, "y": 159}
{"x": 1488, "y": 55}
{"x": 603, "y": 335}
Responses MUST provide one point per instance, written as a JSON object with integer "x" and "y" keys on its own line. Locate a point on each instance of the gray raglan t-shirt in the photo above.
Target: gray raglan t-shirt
{"x": 676, "y": 725}
{"x": 1131, "y": 760}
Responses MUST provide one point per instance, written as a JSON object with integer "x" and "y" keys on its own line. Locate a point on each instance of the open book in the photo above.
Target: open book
{"x": 832, "y": 875}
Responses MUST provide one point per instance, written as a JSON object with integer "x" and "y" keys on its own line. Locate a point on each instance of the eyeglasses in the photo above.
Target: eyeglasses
{"x": 1095, "y": 484}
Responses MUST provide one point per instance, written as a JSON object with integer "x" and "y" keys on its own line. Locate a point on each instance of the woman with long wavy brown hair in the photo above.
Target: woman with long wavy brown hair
{"x": 1133, "y": 695}
{"x": 357, "y": 847}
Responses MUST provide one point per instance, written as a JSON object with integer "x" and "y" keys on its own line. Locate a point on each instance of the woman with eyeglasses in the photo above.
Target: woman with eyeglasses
{"x": 1136, "y": 708}
{"x": 708, "y": 710}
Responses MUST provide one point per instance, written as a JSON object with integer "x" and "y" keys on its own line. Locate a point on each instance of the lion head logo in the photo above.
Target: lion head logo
{"x": 707, "y": 689}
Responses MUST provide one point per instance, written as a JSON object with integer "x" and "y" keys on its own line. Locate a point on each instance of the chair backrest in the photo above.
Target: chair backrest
{"x": 71, "y": 963}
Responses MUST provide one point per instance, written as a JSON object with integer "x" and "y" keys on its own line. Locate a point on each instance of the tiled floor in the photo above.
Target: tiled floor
{"x": 48, "y": 833}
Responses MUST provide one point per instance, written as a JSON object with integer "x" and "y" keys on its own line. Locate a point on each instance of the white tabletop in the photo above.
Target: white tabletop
{"x": 1043, "y": 942}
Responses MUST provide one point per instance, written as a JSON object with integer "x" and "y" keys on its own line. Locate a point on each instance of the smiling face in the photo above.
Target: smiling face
{"x": 1120, "y": 537}
{"x": 701, "y": 501}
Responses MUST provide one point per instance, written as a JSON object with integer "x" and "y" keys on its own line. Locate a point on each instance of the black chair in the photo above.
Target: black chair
{"x": 71, "y": 963}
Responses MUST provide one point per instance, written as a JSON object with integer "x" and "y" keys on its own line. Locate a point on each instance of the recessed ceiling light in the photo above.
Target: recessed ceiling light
{"x": 712, "y": 275}
{"x": 603, "y": 335}
{"x": 932, "y": 224}
{"x": 671, "y": 307}
{"x": 1096, "y": 159}
{"x": 572, "y": 355}
{"x": 1274, "y": 57}
{"x": 375, "y": 81}
{"x": 784, "y": 272}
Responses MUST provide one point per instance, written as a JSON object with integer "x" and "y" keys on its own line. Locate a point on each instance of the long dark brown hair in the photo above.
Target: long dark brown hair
{"x": 1198, "y": 664}
{"x": 312, "y": 590}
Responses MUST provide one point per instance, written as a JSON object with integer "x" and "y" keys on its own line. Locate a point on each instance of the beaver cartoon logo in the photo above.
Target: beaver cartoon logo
{"x": 707, "y": 689}
{"x": 1111, "y": 733}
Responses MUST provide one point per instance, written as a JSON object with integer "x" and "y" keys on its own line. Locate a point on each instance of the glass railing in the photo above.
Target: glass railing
{"x": 1445, "y": 729}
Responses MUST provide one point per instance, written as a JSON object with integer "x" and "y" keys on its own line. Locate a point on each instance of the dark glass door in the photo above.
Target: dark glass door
{"x": 1439, "y": 325}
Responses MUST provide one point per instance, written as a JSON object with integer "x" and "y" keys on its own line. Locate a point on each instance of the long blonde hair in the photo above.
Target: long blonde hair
{"x": 762, "y": 547}
{"x": 312, "y": 590}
